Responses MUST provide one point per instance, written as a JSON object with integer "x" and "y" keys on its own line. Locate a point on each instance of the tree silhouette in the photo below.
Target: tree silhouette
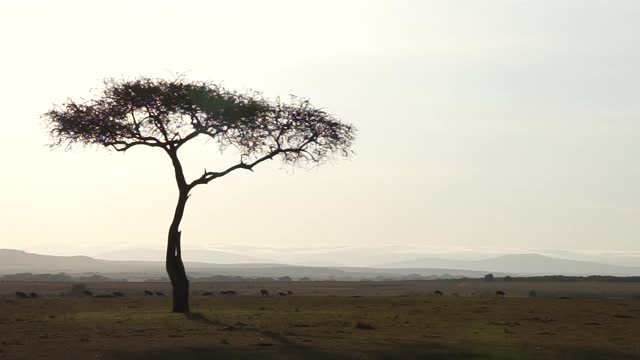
{"x": 166, "y": 114}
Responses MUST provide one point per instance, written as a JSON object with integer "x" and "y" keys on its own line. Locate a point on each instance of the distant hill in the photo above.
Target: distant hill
{"x": 522, "y": 264}
{"x": 188, "y": 255}
{"x": 18, "y": 261}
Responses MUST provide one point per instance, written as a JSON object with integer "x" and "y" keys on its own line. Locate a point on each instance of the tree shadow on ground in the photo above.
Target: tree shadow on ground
{"x": 289, "y": 352}
{"x": 282, "y": 351}
{"x": 199, "y": 317}
{"x": 279, "y": 346}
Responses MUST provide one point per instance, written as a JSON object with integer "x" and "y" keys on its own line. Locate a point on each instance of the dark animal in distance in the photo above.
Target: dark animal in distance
{"x": 500, "y": 293}
{"x": 118, "y": 294}
{"x": 228, "y": 292}
{"x": 87, "y": 293}
{"x": 148, "y": 293}
{"x": 438, "y": 292}
{"x": 289, "y": 292}
{"x": 364, "y": 326}
{"x": 264, "y": 292}
{"x": 21, "y": 294}
{"x": 34, "y": 295}
{"x": 159, "y": 293}
{"x": 207, "y": 293}
{"x": 282, "y": 294}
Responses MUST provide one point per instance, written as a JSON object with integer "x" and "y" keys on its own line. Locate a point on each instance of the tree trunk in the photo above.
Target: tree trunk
{"x": 174, "y": 265}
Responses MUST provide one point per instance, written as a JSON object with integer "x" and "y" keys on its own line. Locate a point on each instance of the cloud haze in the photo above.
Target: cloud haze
{"x": 482, "y": 125}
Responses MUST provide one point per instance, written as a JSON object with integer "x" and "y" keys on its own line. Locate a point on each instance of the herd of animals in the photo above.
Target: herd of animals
{"x": 24, "y": 295}
{"x": 498, "y": 293}
{"x": 263, "y": 292}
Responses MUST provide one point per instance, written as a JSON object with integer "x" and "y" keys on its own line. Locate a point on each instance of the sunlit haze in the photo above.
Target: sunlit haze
{"x": 484, "y": 127}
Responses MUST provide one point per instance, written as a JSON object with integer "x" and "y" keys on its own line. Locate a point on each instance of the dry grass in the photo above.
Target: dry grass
{"x": 304, "y": 326}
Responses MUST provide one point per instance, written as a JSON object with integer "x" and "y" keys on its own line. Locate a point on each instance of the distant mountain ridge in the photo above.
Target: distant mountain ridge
{"x": 15, "y": 261}
{"x": 188, "y": 255}
{"x": 18, "y": 261}
{"x": 522, "y": 264}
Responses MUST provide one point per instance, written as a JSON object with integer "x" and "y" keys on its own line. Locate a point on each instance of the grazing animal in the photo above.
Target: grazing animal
{"x": 364, "y": 326}
{"x": 21, "y": 295}
{"x": 264, "y": 292}
{"x": 500, "y": 293}
{"x": 118, "y": 294}
{"x": 282, "y": 294}
{"x": 228, "y": 292}
{"x": 289, "y": 292}
{"x": 87, "y": 292}
{"x": 148, "y": 293}
{"x": 207, "y": 293}
{"x": 438, "y": 292}
{"x": 159, "y": 293}
{"x": 34, "y": 295}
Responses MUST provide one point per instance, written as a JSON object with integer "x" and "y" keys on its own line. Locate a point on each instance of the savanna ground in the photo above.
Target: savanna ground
{"x": 398, "y": 320}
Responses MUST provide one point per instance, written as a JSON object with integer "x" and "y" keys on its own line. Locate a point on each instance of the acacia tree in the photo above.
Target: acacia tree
{"x": 166, "y": 114}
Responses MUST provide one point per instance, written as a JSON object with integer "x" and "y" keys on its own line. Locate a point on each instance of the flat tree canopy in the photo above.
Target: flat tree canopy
{"x": 168, "y": 114}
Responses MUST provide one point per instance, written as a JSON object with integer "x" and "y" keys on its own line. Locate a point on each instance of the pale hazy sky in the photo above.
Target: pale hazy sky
{"x": 482, "y": 124}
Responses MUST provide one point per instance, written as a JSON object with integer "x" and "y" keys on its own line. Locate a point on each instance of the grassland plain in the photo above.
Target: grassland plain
{"x": 332, "y": 320}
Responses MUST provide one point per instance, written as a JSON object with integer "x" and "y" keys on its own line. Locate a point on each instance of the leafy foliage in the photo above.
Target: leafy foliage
{"x": 167, "y": 114}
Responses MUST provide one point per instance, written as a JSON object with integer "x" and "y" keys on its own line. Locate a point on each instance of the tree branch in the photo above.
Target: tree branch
{"x": 124, "y": 146}
{"x": 195, "y": 134}
{"x": 210, "y": 175}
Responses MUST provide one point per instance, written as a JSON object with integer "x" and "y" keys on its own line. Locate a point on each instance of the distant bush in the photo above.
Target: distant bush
{"x": 216, "y": 278}
{"x": 78, "y": 289}
{"x": 37, "y": 277}
{"x": 59, "y": 277}
{"x": 508, "y": 278}
{"x": 489, "y": 277}
{"x": 562, "y": 278}
{"x": 96, "y": 278}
